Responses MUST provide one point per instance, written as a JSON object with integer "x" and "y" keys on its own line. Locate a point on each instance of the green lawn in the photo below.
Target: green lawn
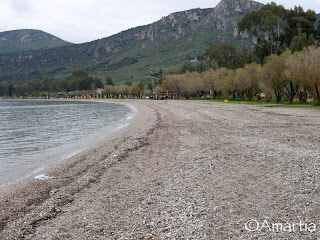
{"x": 283, "y": 103}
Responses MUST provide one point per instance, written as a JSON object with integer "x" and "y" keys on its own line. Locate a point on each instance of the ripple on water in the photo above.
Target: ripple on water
{"x": 35, "y": 134}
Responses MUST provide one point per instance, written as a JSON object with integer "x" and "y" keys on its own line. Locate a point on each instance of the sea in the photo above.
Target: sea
{"x": 35, "y": 134}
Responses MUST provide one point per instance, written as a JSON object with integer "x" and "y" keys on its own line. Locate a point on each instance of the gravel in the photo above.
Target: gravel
{"x": 182, "y": 170}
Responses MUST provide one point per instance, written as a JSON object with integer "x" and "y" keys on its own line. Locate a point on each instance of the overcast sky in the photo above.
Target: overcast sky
{"x": 81, "y": 21}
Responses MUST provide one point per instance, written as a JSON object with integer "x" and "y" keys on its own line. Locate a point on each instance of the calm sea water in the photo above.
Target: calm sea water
{"x": 35, "y": 134}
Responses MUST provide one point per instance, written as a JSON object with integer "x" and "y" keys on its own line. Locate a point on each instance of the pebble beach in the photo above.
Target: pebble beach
{"x": 181, "y": 170}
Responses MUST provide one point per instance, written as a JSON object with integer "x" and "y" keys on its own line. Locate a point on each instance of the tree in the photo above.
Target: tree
{"x": 35, "y": 85}
{"x": 250, "y": 56}
{"x": 78, "y": 81}
{"x": 273, "y": 75}
{"x": 128, "y": 83}
{"x": 161, "y": 76}
{"x": 274, "y": 28}
{"x": 98, "y": 82}
{"x": 79, "y": 73}
{"x": 134, "y": 89}
{"x": 109, "y": 81}
{"x": 226, "y": 56}
{"x": 86, "y": 83}
{"x": 4, "y": 89}
{"x": 209, "y": 81}
{"x": 45, "y": 83}
{"x": 290, "y": 86}
{"x": 55, "y": 86}
{"x": 173, "y": 82}
{"x": 108, "y": 91}
{"x": 141, "y": 87}
{"x": 300, "y": 21}
{"x": 188, "y": 67}
{"x": 123, "y": 90}
{"x": 240, "y": 82}
{"x": 247, "y": 81}
{"x": 268, "y": 26}
{"x": 22, "y": 90}
{"x": 212, "y": 79}
{"x": 207, "y": 64}
{"x": 303, "y": 69}
{"x": 225, "y": 82}
{"x": 150, "y": 86}
{"x": 190, "y": 82}
{"x": 301, "y": 41}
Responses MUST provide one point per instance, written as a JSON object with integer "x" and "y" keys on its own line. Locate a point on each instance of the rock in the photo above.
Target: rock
{"x": 53, "y": 191}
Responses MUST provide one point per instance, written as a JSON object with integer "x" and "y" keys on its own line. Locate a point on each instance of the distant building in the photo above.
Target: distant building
{"x": 99, "y": 90}
{"x": 195, "y": 61}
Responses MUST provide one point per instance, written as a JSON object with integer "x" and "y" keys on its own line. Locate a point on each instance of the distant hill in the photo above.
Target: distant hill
{"x": 27, "y": 39}
{"x": 137, "y": 52}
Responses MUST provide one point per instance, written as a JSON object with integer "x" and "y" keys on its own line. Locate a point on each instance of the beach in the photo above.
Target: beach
{"x": 181, "y": 170}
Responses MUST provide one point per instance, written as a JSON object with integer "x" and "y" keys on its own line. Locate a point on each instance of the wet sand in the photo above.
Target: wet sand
{"x": 182, "y": 170}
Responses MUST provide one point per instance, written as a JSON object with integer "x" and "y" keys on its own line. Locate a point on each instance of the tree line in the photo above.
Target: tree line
{"x": 79, "y": 80}
{"x": 288, "y": 75}
{"x": 284, "y": 64}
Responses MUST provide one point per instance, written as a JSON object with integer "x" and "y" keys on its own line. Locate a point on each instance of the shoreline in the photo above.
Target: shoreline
{"x": 81, "y": 168}
{"x": 76, "y": 147}
{"x": 196, "y": 170}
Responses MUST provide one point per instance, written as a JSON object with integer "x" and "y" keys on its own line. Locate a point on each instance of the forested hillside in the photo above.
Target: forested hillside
{"x": 137, "y": 52}
{"x": 25, "y": 40}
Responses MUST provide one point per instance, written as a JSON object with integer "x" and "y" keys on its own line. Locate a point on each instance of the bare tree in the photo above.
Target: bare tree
{"x": 303, "y": 69}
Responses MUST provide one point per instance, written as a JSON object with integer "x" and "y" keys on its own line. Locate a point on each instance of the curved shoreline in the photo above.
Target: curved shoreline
{"x": 77, "y": 146}
{"x": 72, "y": 175}
{"x": 181, "y": 170}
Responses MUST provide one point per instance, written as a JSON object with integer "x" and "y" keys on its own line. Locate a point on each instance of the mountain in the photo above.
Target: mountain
{"x": 136, "y": 53}
{"x": 27, "y": 39}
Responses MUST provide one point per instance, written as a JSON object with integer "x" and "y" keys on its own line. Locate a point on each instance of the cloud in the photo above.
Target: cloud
{"x": 21, "y": 6}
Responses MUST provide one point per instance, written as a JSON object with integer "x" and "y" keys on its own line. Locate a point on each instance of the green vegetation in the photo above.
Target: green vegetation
{"x": 256, "y": 102}
{"x": 109, "y": 81}
{"x": 77, "y": 82}
{"x": 132, "y": 55}
{"x": 277, "y": 28}
{"x": 288, "y": 72}
{"x": 226, "y": 56}
{"x": 288, "y": 76}
{"x": 26, "y": 40}
{"x": 185, "y": 56}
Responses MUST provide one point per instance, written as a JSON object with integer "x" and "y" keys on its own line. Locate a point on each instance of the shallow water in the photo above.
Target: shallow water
{"x": 35, "y": 134}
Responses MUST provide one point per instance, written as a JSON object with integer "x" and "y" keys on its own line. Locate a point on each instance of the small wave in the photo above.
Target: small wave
{"x": 43, "y": 177}
{"x": 37, "y": 170}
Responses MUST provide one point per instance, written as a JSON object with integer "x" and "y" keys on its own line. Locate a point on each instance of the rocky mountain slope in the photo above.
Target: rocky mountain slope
{"x": 137, "y": 52}
{"x": 27, "y": 39}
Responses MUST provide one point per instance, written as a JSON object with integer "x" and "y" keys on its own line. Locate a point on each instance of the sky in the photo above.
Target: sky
{"x": 79, "y": 21}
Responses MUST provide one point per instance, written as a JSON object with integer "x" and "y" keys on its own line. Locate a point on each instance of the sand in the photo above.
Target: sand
{"x": 182, "y": 170}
